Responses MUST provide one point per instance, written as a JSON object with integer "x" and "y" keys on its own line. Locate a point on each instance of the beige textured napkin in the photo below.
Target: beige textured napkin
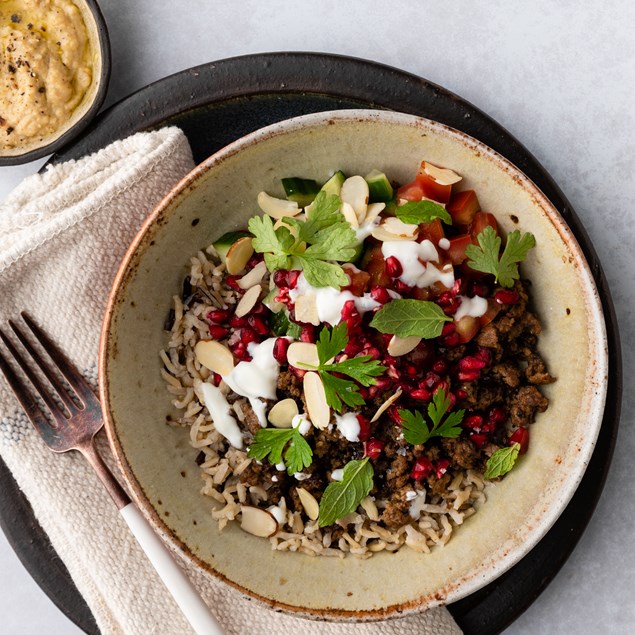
{"x": 62, "y": 236}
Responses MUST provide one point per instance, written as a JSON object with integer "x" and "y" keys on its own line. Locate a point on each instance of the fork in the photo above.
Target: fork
{"x": 74, "y": 427}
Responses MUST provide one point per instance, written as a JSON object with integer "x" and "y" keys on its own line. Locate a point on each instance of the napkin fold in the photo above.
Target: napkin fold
{"x": 63, "y": 234}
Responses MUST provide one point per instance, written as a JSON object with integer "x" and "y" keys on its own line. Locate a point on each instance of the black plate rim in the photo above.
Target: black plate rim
{"x": 259, "y": 74}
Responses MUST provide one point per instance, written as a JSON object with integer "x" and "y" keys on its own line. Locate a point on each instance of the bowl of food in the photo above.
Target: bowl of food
{"x": 354, "y": 365}
{"x": 56, "y": 66}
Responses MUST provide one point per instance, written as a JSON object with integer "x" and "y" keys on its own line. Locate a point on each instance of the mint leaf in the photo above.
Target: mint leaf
{"x": 416, "y": 212}
{"x": 502, "y": 461}
{"x": 417, "y": 432}
{"x": 343, "y": 497}
{"x": 486, "y": 257}
{"x": 270, "y": 443}
{"x": 410, "y": 317}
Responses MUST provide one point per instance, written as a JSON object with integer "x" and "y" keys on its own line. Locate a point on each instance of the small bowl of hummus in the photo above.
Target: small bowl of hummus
{"x": 54, "y": 71}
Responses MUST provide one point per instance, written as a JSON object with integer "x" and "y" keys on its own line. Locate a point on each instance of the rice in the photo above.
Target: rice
{"x": 360, "y": 534}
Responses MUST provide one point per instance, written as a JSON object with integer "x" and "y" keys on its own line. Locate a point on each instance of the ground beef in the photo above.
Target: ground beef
{"x": 536, "y": 371}
{"x": 463, "y": 453}
{"x": 509, "y": 373}
{"x": 397, "y": 511}
{"x": 251, "y": 421}
{"x": 524, "y": 405}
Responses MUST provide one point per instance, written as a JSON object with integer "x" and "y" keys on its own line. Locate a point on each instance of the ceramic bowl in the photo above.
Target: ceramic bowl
{"x": 159, "y": 464}
{"x": 90, "y": 104}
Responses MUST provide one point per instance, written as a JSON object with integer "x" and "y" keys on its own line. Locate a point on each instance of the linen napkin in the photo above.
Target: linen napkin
{"x": 62, "y": 236}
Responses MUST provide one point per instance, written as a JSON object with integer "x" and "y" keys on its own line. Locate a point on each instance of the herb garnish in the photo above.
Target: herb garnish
{"x": 486, "y": 258}
{"x": 342, "y": 497}
{"x": 417, "y": 432}
{"x": 324, "y": 236}
{"x": 270, "y": 442}
{"x": 362, "y": 369}
{"x": 410, "y": 317}
{"x": 502, "y": 461}
{"x": 281, "y": 325}
{"x": 416, "y": 212}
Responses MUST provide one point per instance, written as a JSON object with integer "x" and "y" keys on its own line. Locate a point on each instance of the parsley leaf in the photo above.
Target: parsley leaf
{"x": 270, "y": 442}
{"x": 362, "y": 369}
{"x": 324, "y": 236}
{"x": 410, "y": 317}
{"x": 416, "y": 212}
{"x": 342, "y": 497}
{"x": 502, "y": 461}
{"x": 417, "y": 432}
{"x": 486, "y": 258}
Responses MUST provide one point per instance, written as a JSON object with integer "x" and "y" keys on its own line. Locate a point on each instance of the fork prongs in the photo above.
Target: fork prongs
{"x": 81, "y": 387}
{"x": 29, "y": 404}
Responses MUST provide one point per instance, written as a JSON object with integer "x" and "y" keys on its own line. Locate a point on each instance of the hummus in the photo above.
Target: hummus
{"x": 45, "y": 69}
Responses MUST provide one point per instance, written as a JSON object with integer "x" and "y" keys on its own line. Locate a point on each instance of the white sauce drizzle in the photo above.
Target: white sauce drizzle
{"x": 302, "y": 422}
{"x": 301, "y": 476}
{"x": 259, "y": 407}
{"x": 348, "y": 425}
{"x": 337, "y": 475}
{"x": 474, "y": 307}
{"x": 281, "y": 467}
{"x": 219, "y": 408}
{"x": 415, "y": 260}
{"x": 417, "y": 505}
{"x": 330, "y": 301}
{"x": 444, "y": 243}
{"x": 256, "y": 379}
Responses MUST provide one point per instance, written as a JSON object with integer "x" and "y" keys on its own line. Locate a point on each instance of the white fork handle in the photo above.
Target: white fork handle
{"x": 178, "y": 584}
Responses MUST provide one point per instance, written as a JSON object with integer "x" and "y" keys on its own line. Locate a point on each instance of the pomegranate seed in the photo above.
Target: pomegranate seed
{"x": 488, "y": 427}
{"x": 479, "y": 440}
{"x": 239, "y": 350}
{"x": 248, "y": 335}
{"x": 280, "y": 350}
{"x": 216, "y": 379}
{"x": 283, "y": 297}
{"x": 497, "y": 415}
{"x": 480, "y": 289}
{"x": 393, "y": 413}
{"x": 402, "y": 288}
{"x": 441, "y": 467}
{"x": 219, "y": 316}
{"x": 471, "y": 363}
{"x": 364, "y": 428}
{"x": 440, "y": 366}
{"x": 452, "y": 398}
{"x": 298, "y": 372}
{"x": 373, "y": 448}
{"x": 374, "y": 352}
{"x": 421, "y": 393}
{"x": 237, "y": 322}
{"x": 452, "y": 306}
{"x": 393, "y": 267}
{"x": 292, "y": 278}
{"x": 411, "y": 370}
{"x": 259, "y": 309}
{"x": 485, "y": 354}
{"x": 468, "y": 375}
{"x": 280, "y": 278}
{"x": 218, "y": 332}
{"x": 442, "y": 385}
{"x": 448, "y": 329}
{"x": 258, "y": 325}
{"x": 422, "y": 468}
{"x": 365, "y": 394}
{"x": 461, "y": 394}
{"x": 308, "y": 334}
{"x": 473, "y": 422}
{"x": 451, "y": 340}
{"x": 352, "y": 348}
{"x": 232, "y": 283}
{"x": 380, "y": 294}
{"x": 521, "y": 435}
{"x": 349, "y": 309}
{"x": 456, "y": 287}
{"x": 430, "y": 381}
{"x": 506, "y": 296}
{"x": 254, "y": 260}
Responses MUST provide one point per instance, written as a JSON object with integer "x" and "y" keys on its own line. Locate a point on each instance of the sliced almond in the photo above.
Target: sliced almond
{"x": 255, "y": 276}
{"x": 443, "y": 176}
{"x": 311, "y": 506}
{"x": 258, "y": 522}
{"x": 277, "y": 207}
{"x": 355, "y": 193}
{"x": 214, "y": 356}
{"x": 389, "y": 402}
{"x": 316, "y": 404}
{"x": 394, "y": 229}
{"x": 302, "y": 354}
{"x": 238, "y": 255}
{"x": 248, "y": 301}
{"x": 349, "y": 214}
{"x": 282, "y": 413}
{"x": 368, "y": 505}
{"x": 373, "y": 211}
{"x": 306, "y": 309}
{"x": 402, "y": 345}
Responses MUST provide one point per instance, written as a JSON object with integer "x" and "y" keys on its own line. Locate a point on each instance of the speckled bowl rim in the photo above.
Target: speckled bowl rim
{"x": 483, "y": 573}
{"x": 57, "y": 142}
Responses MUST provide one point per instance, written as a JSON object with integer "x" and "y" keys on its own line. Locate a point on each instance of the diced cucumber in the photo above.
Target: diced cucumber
{"x": 223, "y": 244}
{"x": 391, "y": 207}
{"x": 334, "y": 184}
{"x": 379, "y": 187}
{"x": 281, "y": 325}
{"x": 270, "y": 301}
{"x": 302, "y": 191}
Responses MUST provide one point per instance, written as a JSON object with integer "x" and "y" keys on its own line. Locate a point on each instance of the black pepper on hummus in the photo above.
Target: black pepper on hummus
{"x": 45, "y": 69}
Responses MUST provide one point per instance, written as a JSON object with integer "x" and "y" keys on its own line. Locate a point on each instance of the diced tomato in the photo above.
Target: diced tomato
{"x": 481, "y": 221}
{"x": 422, "y": 293}
{"x": 456, "y": 250}
{"x": 463, "y": 206}
{"x": 432, "y": 189}
{"x": 432, "y": 231}
{"x": 493, "y": 309}
{"x": 373, "y": 262}
{"x": 411, "y": 191}
{"x": 520, "y": 436}
{"x": 359, "y": 280}
{"x": 467, "y": 327}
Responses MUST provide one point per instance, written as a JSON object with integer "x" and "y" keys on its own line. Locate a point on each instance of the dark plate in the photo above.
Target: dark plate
{"x": 221, "y": 101}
